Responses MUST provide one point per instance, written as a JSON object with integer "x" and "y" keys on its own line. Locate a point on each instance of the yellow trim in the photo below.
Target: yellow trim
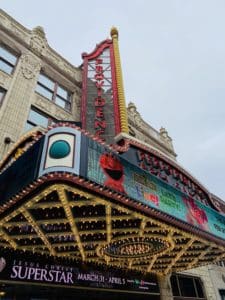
{"x": 119, "y": 79}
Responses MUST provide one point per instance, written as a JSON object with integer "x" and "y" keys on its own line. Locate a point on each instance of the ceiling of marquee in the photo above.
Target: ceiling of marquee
{"x": 64, "y": 221}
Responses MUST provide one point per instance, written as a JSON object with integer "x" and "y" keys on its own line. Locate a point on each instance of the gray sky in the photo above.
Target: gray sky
{"x": 173, "y": 61}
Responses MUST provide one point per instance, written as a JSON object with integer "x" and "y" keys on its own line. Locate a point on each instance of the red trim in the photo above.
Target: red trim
{"x": 98, "y": 50}
{"x": 115, "y": 93}
{"x": 84, "y": 93}
{"x": 94, "y": 54}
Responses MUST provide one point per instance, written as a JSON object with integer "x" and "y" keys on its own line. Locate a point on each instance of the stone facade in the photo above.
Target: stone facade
{"x": 205, "y": 275}
{"x": 144, "y": 132}
{"x": 34, "y": 55}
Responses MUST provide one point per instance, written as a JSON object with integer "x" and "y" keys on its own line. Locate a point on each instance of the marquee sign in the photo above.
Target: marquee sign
{"x": 66, "y": 149}
{"x": 75, "y": 198}
{"x": 168, "y": 173}
{"x": 19, "y": 267}
{"x": 103, "y": 102}
{"x": 118, "y": 174}
{"x": 100, "y": 100}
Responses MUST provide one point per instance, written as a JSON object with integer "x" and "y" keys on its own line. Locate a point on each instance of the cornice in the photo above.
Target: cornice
{"x": 24, "y": 36}
{"x": 157, "y": 141}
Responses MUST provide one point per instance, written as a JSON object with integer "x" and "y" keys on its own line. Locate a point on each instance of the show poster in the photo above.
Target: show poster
{"x": 24, "y": 268}
{"x": 113, "y": 171}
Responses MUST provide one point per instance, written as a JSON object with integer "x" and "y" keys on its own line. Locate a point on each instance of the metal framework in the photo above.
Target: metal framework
{"x": 66, "y": 221}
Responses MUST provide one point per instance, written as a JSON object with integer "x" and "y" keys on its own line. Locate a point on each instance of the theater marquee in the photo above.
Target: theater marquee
{"x": 76, "y": 198}
{"x": 19, "y": 267}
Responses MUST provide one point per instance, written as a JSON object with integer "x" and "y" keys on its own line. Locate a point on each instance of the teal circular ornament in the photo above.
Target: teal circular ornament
{"x": 59, "y": 149}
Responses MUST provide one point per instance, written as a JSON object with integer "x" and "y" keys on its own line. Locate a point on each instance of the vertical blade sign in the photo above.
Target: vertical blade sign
{"x": 100, "y": 112}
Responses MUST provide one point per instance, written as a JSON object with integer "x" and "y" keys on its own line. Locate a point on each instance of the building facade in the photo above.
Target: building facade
{"x": 39, "y": 89}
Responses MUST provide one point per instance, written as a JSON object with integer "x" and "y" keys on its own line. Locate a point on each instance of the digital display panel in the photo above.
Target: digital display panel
{"x": 116, "y": 173}
{"x": 21, "y": 173}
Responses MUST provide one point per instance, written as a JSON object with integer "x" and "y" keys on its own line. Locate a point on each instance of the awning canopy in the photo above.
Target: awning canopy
{"x": 69, "y": 195}
{"x": 66, "y": 221}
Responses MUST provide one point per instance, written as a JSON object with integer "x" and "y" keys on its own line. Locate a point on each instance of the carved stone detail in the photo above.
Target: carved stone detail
{"x": 3, "y": 79}
{"x": 62, "y": 116}
{"x": 38, "y": 42}
{"x": 77, "y": 99}
{"x": 29, "y": 66}
{"x": 44, "y": 105}
{"x": 164, "y": 134}
{"x": 132, "y": 107}
{"x": 39, "y": 31}
{"x": 132, "y": 110}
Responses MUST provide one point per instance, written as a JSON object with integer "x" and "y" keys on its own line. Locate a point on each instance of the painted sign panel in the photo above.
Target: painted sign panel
{"x": 113, "y": 171}
{"x": 21, "y": 267}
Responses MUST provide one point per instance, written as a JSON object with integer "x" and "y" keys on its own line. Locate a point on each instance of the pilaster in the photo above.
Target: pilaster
{"x": 165, "y": 288}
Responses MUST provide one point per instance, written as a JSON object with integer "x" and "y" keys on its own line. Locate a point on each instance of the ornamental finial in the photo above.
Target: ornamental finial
{"x": 114, "y": 32}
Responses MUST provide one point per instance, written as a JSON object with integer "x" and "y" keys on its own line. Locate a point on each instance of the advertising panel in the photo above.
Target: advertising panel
{"x": 19, "y": 267}
{"x": 113, "y": 171}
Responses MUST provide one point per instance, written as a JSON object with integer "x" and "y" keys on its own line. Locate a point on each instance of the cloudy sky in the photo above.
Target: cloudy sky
{"x": 173, "y": 60}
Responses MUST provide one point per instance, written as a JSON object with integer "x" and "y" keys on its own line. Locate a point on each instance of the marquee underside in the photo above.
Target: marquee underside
{"x": 66, "y": 221}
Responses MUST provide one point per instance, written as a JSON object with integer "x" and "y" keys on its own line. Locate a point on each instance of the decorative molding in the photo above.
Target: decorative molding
{"x": 53, "y": 57}
{"x": 29, "y": 66}
{"x": 71, "y": 71}
{"x": 50, "y": 108}
{"x": 119, "y": 80}
{"x": 61, "y": 115}
{"x": 77, "y": 100}
{"x": 3, "y": 20}
{"x": 139, "y": 123}
{"x": 3, "y": 79}
{"x": 19, "y": 32}
{"x": 35, "y": 40}
{"x": 44, "y": 105}
{"x": 162, "y": 137}
{"x": 132, "y": 111}
{"x": 38, "y": 42}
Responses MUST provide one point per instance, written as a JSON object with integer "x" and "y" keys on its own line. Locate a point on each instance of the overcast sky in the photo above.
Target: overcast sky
{"x": 173, "y": 62}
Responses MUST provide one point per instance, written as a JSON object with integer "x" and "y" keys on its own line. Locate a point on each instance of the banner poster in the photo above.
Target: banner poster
{"x": 115, "y": 172}
{"x": 27, "y": 268}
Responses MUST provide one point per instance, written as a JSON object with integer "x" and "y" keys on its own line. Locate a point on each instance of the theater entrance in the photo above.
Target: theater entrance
{"x": 38, "y": 292}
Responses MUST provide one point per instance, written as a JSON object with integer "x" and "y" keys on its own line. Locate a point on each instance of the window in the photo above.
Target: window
{"x": 53, "y": 91}
{"x": 2, "y": 94}
{"x": 222, "y": 294}
{"x": 7, "y": 60}
{"x": 38, "y": 118}
{"x": 186, "y": 287}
